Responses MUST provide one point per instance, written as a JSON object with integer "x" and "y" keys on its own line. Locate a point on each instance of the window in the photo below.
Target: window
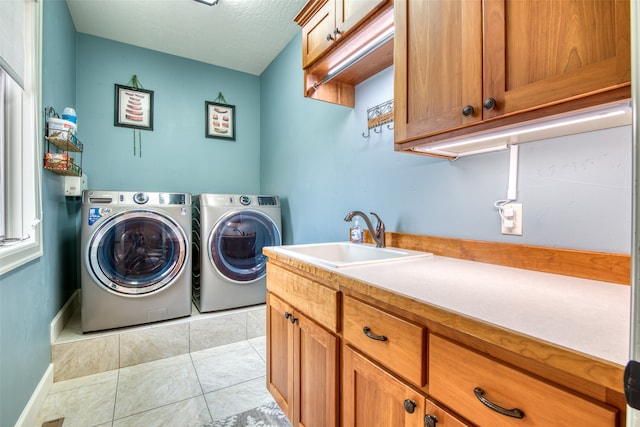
{"x": 20, "y": 133}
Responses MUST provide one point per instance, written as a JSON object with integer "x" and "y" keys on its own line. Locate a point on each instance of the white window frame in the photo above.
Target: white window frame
{"x": 21, "y": 198}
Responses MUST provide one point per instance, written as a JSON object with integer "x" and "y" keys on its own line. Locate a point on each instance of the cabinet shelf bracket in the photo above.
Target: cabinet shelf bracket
{"x": 377, "y": 116}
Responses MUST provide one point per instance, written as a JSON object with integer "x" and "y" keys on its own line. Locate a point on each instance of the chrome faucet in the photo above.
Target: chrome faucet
{"x": 377, "y": 234}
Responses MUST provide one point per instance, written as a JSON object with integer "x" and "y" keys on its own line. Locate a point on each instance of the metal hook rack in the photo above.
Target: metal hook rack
{"x": 377, "y": 116}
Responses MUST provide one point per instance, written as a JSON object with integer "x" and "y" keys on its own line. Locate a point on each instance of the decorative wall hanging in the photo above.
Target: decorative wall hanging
{"x": 220, "y": 119}
{"x": 377, "y": 116}
{"x": 133, "y": 109}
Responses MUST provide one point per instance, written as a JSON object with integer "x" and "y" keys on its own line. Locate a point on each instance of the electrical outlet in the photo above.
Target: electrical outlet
{"x": 512, "y": 224}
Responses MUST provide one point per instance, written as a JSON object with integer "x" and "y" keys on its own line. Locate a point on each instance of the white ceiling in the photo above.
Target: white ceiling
{"x": 243, "y": 35}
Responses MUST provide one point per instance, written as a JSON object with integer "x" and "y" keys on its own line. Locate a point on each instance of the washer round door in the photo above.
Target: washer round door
{"x": 236, "y": 241}
{"x": 137, "y": 252}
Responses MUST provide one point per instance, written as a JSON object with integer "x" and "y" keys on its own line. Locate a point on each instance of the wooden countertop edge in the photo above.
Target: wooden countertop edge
{"x": 583, "y": 366}
{"x": 602, "y": 266}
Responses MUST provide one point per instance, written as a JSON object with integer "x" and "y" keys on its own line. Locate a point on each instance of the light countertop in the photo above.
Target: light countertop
{"x": 584, "y": 315}
{"x": 587, "y": 316}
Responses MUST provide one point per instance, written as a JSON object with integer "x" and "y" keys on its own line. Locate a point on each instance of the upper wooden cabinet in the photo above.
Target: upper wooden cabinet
{"x": 334, "y": 31}
{"x": 464, "y": 66}
{"x": 317, "y": 33}
{"x": 327, "y": 22}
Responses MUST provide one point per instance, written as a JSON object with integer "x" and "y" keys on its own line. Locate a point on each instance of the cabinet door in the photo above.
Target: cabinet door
{"x": 541, "y": 52}
{"x": 349, "y": 13}
{"x": 437, "y": 65}
{"x": 280, "y": 353}
{"x": 374, "y": 398}
{"x": 316, "y": 371}
{"x": 317, "y": 34}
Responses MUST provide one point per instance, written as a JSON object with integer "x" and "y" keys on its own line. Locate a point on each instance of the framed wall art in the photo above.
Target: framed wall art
{"x": 133, "y": 108}
{"x": 220, "y": 120}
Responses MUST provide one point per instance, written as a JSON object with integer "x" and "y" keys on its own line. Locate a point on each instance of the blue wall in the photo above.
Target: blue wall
{"x": 31, "y": 295}
{"x": 575, "y": 190}
{"x": 176, "y": 155}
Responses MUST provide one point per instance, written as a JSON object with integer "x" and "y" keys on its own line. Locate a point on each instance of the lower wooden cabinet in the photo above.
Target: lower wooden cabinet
{"x": 492, "y": 393}
{"x": 302, "y": 366}
{"x": 336, "y": 358}
{"x": 374, "y": 398}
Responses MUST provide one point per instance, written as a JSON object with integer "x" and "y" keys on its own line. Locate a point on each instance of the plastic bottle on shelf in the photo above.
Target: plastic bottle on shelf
{"x": 69, "y": 114}
{"x": 355, "y": 233}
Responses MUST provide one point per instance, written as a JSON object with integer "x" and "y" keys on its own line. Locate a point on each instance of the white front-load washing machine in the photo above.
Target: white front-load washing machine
{"x": 230, "y": 230}
{"x": 136, "y": 258}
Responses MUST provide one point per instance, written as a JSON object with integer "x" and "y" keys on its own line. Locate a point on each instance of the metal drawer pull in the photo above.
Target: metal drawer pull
{"x": 367, "y": 332}
{"x": 515, "y": 412}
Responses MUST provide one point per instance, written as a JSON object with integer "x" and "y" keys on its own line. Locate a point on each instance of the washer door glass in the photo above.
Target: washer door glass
{"x": 137, "y": 252}
{"x": 236, "y": 242}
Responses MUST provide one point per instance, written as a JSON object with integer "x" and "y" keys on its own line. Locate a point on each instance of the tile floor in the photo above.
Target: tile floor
{"x": 192, "y": 389}
{"x": 75, "y": 354}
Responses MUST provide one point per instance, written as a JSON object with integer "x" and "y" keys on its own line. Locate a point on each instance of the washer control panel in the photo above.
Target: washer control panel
{"x": 138, "y": 198}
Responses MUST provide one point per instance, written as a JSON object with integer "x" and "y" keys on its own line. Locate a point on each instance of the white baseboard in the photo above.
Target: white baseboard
{"x": 30, "y": 412}
{"x": 63, "y": 316}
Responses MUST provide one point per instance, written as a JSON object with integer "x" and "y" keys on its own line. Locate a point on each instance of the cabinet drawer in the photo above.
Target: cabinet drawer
{"x": 399, "y": 345}
{"x": 311, "y": 298}
{"x": 455, "y": 372}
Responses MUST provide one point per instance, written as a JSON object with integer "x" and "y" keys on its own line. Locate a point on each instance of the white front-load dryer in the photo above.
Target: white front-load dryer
{"x": 230, "y": 230}
{"x": 136, "y": 258}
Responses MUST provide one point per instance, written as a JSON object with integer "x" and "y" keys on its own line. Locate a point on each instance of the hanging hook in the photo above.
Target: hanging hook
{"x": 378, "y": 116}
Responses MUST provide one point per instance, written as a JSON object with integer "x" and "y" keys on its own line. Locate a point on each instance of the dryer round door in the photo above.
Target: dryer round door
{"x": 236, "y": 241}
{"x": 137, "y": 252}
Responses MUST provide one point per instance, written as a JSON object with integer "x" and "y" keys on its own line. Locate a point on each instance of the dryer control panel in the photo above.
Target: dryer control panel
{"x": 220, "y": 200}
{"x": 267, "y": 201}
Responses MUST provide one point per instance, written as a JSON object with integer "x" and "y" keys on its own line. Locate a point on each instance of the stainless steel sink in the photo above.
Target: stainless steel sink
{"x": 345, "y": 254}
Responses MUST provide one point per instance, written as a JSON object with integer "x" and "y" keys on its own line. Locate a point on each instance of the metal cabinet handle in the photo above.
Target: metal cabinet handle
{"x": 410, "y": 406}
{"x": 289, "y": 316}
{"x": 489, "y": 104}
{"x": 336, "y": 31}
{"x": 329, "y": 37}
{"x": 430, "y": 420}
{"x": 515, "y": 412}
{"x": 367, "y": 332}
{"x": 468, "y": 110}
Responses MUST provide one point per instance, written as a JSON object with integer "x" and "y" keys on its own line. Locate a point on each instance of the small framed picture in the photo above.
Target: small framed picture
{"x": 133, "y": 108}
{"x": 220, "y": 120}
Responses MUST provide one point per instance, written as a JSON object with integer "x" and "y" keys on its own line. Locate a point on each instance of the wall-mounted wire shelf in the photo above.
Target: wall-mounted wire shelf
{"x": 59, "y": 160}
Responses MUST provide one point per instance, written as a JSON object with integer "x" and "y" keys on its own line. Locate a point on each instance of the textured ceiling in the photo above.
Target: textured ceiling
{"x": 243, "y": 35}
